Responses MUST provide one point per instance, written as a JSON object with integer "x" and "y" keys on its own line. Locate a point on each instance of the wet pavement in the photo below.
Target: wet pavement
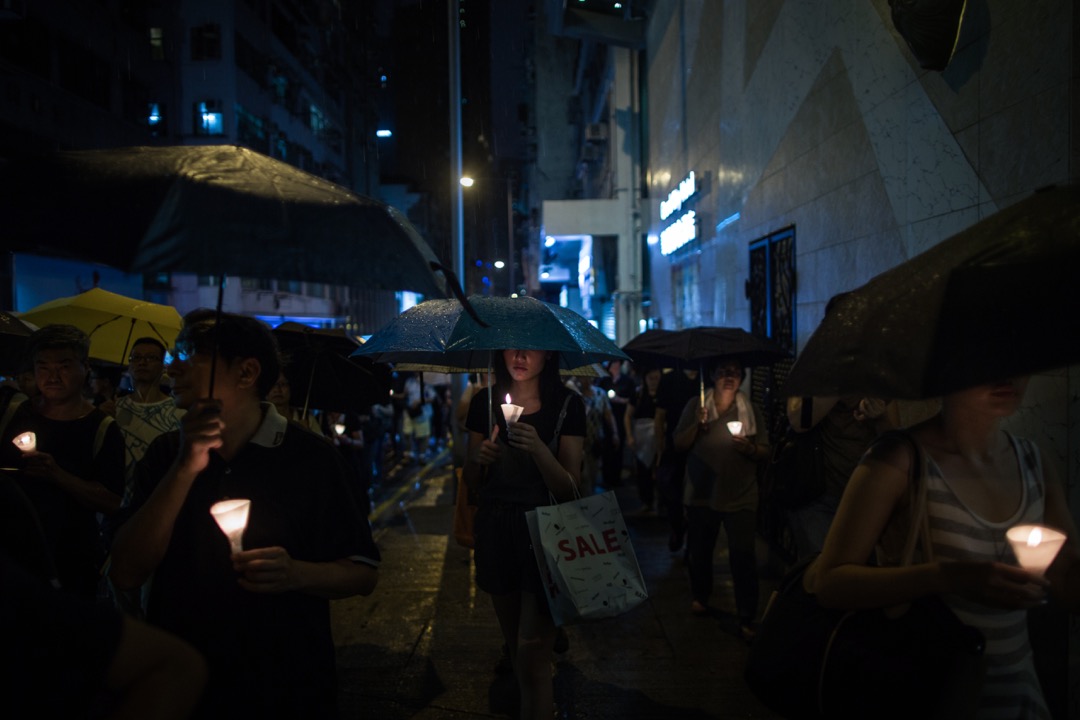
{"x": 426, "y": 643}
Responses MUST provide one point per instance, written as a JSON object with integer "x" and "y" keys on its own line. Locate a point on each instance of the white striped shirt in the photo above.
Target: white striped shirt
{"x": 1011, "y": 690}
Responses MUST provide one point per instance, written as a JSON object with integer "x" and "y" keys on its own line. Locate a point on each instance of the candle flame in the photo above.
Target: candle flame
{"x": 1034, "y": 537}
{"x": 508, "y": 401}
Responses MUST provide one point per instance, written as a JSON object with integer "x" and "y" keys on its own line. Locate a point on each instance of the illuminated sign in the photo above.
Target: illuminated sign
{"x": 683, "y": 228}
{"x": 678, "y": 196}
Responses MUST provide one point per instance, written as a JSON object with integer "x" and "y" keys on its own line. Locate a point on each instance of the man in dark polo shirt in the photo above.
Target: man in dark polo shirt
{"x": 261, "y": 617}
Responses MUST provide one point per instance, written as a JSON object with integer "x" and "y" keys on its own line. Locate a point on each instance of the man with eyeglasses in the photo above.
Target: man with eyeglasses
{"x": 261, "y": 615}
{"x": 149, "y": 411}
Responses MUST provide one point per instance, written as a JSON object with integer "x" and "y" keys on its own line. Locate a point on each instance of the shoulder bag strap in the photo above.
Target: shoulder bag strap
{"x": 99, "y": 438}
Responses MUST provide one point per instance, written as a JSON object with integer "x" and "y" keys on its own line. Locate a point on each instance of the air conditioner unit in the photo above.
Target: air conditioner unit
{"x": 595, "y": 132}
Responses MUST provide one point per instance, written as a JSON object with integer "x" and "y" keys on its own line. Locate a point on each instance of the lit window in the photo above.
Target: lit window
{"x": 155, "y": 119}
{"x": 208, "y": 118}
{"x": 157, "y": 43}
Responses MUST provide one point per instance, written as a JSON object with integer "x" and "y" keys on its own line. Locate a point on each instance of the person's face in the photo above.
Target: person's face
{"x": 59, "y": 374}
{"x": 190, "y": 375}
{"x": 100, "y": 385}
{"x": 728, "y": 377}
{"x": 524, "y": 364}
{"x": 652, "y": 380}
{"x": 27, "y": 383}
{"x": 146, "y": 363}
{"x": 999, "y": 399}
{"x": 280, "y": 395}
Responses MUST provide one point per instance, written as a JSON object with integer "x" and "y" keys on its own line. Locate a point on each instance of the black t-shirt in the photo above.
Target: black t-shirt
{"x": 71, "y": 529}
{"x": 521, "y": 481}
{"x": 270, "y": 655}
{"x": 674, "y": 392}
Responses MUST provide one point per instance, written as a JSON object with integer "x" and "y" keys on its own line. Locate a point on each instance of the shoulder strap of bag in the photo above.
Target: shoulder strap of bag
{"x": 99, "y": 438}
{"x": 562, "y": 415}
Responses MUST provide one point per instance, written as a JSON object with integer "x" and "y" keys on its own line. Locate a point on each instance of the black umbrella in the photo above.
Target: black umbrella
{"x": 13, "y": 335}
{"x": 209, "y": 210}
{"x": 990, "y": 302}
{"x": 698, "y": 348}
{"x": 320, "y": 371}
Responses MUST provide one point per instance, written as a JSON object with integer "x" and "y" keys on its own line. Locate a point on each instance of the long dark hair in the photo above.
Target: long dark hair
{"x": 550, "y": 383}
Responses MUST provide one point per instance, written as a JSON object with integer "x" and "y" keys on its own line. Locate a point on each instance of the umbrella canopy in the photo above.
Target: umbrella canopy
{"x": 112, "y": 321}
{"x": 210, "y": 210}
{"x": 13, "y": 334}
{"x": 440, "y": 335}
{"x": 697, "y": 347}
{"x": 990, "y": 302}
{"x": 322, "y": 375}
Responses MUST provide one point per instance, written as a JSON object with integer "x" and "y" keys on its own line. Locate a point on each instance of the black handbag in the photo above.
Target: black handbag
{"x": 813, "y": 662}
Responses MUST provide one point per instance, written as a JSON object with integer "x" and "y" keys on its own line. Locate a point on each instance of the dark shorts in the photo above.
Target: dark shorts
{"x": 505, "y": 562}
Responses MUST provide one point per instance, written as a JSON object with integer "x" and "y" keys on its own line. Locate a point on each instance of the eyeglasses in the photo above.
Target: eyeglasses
{"x": 136, "y": 358}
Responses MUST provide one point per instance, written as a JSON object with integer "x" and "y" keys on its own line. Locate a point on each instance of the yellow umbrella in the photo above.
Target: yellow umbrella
{"x": 112, "y": 321}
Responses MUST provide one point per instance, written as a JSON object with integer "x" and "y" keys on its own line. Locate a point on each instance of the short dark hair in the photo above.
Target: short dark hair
{"x": 235, "y": 337}
{"x": 58, "y": 337}
{"x": 148, "y": 341}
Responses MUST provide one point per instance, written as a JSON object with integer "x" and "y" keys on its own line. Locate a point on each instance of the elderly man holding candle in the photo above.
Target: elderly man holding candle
{"x": 724, "y": 436}
{"x": 70, "y": 456}
{"x": 256, "y": 604}
{"x": 981, "y": 481}
{"x": 525, "y": 446}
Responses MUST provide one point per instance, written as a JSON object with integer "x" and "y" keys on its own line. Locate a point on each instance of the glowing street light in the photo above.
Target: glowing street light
{"x": 467, "y": 181}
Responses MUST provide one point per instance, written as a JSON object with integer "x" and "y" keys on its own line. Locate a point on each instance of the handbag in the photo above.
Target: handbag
{"x": 585, "y": 558}
{"x": 795, "y": 473}
{"x": 464, "y": 513}
{"x": 813, "y": 662}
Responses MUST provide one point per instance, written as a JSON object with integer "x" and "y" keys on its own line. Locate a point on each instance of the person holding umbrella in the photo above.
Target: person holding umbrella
{"x": 724, "y": 439}
{"x": 516, "y": 467}
{"x": 980, "y": 481}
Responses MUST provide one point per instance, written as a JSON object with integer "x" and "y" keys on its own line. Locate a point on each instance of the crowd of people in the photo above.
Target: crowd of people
{"x": 108, "y": 520}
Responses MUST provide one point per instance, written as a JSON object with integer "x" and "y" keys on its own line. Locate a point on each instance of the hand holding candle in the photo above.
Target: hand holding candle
{"x": 1035, "y": 546}
{"x": 27, "y": 442}
{"x": 511, "y": 412}
{"x": 232, "y": 517}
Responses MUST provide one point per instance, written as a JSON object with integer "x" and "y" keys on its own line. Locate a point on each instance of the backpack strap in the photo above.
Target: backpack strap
{"x": 99, "y": 437}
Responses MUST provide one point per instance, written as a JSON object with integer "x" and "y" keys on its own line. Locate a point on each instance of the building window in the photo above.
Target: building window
{"x": 317, "y": 119}
{"x": 291, "y": 286}
{"x": 155, "y": 119}
{"x": 208, "y": 118}
{"x": 257, "y": 284}
{"x": 771, "y": 291}
{"x": 157, "y": 43}
{"x": 316, "y": 290}
{"x": 206, "y": 42}
{"x": 207, "y": 280}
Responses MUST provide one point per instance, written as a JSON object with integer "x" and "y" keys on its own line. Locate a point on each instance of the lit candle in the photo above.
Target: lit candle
{"x": 735, "y": 428}
{"x": 339, "y": 428}
{"x": 1035, "y": 546}
{"x": 27, "y": 442}
{"x": 511, "y": 413}
{"x": 611, "y": 393}
{"x": 232, "y": 517}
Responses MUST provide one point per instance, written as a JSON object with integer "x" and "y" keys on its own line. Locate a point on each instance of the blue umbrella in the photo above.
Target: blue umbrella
{"x": 442, "y": 335}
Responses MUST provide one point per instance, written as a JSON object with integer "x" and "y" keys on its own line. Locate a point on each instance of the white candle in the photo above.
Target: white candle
{"x": 232, "y": 517}
{"x": 27, "y": 442}
{"x": 735, "y": 428}
{"x": 511, "y": 412}
{"x": 339, "y": 428}
{"x": 1035, "y": 546}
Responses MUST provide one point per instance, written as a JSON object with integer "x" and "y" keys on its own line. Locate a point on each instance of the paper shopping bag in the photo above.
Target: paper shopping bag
{"x": 585, "y": 558}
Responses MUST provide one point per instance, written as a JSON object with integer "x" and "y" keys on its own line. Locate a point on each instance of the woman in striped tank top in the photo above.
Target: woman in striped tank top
{"x": 980, "y": 482}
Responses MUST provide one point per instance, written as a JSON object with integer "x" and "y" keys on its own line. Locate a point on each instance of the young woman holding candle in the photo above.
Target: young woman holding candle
{"x": 514, "y": 469}
{"x": 981, "y": 481}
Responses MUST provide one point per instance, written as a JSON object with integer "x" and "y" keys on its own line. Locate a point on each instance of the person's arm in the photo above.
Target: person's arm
{"x": 141, "y": 542}
{"x": 694, "y": 415}
{"x": 628, "y": 425}
{"x": 841, "y": 578}
{"x": 154, "y": 674}
{"x": 272, "y": 570}
{"x": 88, "y": 493}
{"x": 1064, "y": 573}
{"x": 561, "y": 474}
